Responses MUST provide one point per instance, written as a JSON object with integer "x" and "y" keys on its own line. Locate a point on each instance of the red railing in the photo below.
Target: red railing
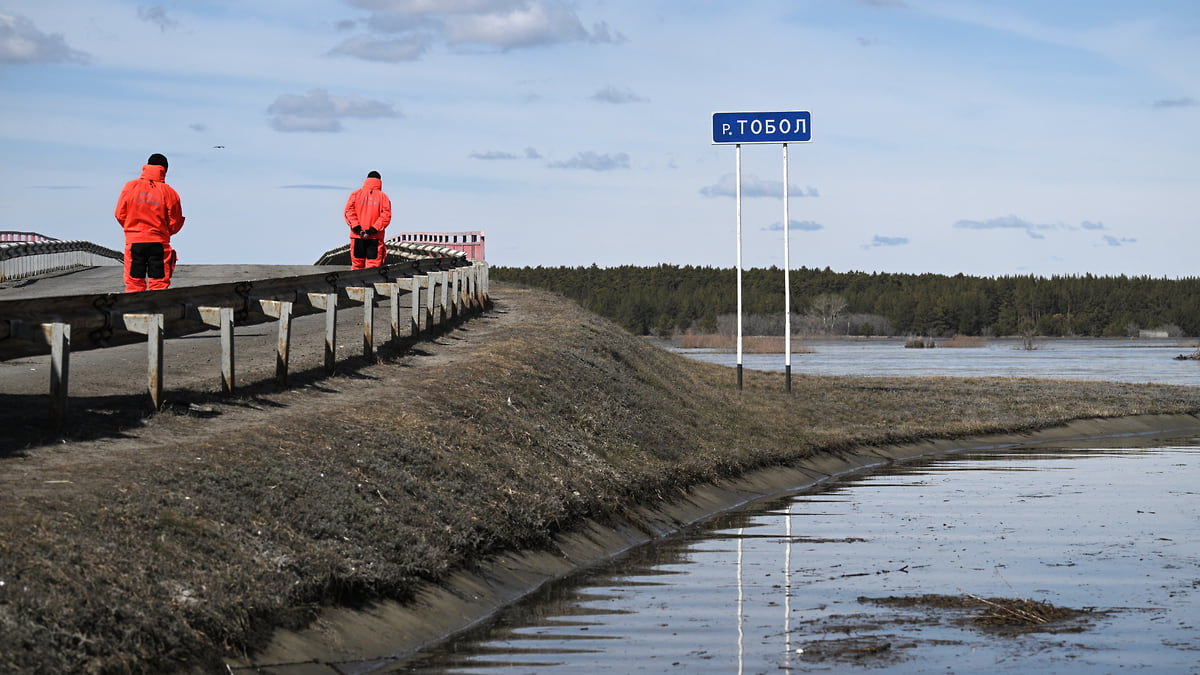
{"x": 11, "y": 235}
{"x": 470, "y": 243}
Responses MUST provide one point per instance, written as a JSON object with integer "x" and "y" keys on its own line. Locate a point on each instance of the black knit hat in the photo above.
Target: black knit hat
{"x": 157, "y": 160}
{"x": 374, "y": 174}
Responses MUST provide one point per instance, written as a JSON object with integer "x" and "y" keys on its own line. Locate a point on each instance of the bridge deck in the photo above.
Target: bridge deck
{"x": 108, "y": 279}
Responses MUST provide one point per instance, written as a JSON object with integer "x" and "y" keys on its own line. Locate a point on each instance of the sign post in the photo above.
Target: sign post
{"x": 787, "y": 283}
{"x": 738, "y": 128}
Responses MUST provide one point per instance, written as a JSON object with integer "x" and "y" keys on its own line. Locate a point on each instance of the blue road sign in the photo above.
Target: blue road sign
{"x": 762, "y": 127}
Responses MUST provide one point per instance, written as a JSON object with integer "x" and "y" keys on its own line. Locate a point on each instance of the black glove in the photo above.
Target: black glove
{"x": 371, "y": 232}
{"x": 357, "y": 230}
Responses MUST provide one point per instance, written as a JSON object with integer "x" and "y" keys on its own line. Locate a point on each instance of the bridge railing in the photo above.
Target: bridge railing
{"x": 471, "y": 243}
{"x": 437, "y": 290}
{"x": 27, "y": 254}
{"x": 15, "y": 235}
{"x": 397, "y": 250}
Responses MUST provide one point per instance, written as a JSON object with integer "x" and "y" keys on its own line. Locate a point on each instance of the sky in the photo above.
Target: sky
{"x": 981, "y": 137}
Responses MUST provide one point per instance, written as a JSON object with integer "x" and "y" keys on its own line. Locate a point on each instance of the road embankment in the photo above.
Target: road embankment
{"x": 368, "y": 513}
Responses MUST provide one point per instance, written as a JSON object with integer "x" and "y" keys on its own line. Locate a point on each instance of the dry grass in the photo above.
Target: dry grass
{"x": 964, "y": 342}
{"x": 159, "y": 557}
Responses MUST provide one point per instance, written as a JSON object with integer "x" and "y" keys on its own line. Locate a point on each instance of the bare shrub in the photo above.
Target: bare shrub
{"x": 918, "y": 342}
{"x": 965, "y": 342}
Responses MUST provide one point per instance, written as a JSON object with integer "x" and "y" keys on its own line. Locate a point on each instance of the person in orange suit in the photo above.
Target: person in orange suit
{"x": 150, "y": 213}
{"x": 368, "y": 213}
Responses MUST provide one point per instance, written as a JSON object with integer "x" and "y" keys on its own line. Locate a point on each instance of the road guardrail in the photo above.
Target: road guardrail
{"x": 438, "y": 289}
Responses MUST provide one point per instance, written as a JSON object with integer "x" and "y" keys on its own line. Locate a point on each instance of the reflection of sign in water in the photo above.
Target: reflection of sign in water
{"x": 762, "y": 127}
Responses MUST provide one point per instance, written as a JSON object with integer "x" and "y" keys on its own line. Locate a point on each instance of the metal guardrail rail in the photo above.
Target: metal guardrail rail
{"x": 438, "y": 289}
{"x": 405, "y": 250}
{"x": 34, "y": 254}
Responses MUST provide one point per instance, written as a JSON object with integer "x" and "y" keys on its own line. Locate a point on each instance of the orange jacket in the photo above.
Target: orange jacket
{"x": 368, "y": 207}
{"x": 149, "y": 209}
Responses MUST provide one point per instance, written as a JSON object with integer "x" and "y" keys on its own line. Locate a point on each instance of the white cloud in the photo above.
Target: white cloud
{"x": 21, "y": 42}
{"x": 498, "y": 24}
{"x": 1183, "y": 102}
{"x": 1038, "y": 230}
{"x": 529, "y": 153}
{"x": 611, "y": 94}
{"x": 880, "y": 240}
{"x": 752, "y": 186}
{"x": 493, "y": 154}
{"x": 409, "y": 47}
{"x": 437, "y": 6}
{"x": 318, "y": 111}
{"x": 1009, "y": 222}
{"x": 593, "y": 161}
{"x": 802, "y": 225}
{"x": 539, "y": 23}
{"x": 157, "y": 15}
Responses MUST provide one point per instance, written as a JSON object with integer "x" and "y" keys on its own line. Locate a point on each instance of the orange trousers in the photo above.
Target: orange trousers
{"x": 148, "y": 266}
{"x": 366, "y": 252}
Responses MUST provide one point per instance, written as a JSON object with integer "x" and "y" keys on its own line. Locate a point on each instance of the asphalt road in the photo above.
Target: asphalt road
{"x": 108, "y": 279}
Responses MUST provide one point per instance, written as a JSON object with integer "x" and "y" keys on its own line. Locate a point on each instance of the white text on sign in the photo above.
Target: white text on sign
{"x": 757, "y": 127}
{"x": 762, "y": 127}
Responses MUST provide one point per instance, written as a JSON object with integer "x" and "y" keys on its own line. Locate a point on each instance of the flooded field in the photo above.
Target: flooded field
{"x": 1043, "y": 559}
{"x": 1117, "y": 360}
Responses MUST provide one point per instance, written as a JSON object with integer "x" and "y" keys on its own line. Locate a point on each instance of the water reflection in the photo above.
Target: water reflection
{"x": 811, "y": 581}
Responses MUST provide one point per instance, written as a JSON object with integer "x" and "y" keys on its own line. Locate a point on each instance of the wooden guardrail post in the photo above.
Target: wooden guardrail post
{"x": 328, "y": 302}
{"x": 413, "y": 286}
{"x": 430, "y": 303}
{"x": 366, "y": 295}
{"x": 443, "y": 296}
{"x": 469, "y": 288}
{"x": 478, "y": 271}
{"x": 222, "y": 318}
{"x": 391, "y": 290}
{"x": 476, "y": 286}
{"x": 150, "y": 325}
{"x": 282, "y": 310}
{"x": 456, "y": 293}
{"x": 59, "y": 336}
{"x": 418, "y": 281}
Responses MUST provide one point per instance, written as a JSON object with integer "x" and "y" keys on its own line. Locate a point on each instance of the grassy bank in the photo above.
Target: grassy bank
{"x": 185, "y": 542}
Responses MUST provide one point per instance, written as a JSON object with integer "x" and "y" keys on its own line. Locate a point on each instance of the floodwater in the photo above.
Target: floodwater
{"x": 1116, "y": 360}
{"x": 860, "y": 575}
{"x": 871, "y": 572}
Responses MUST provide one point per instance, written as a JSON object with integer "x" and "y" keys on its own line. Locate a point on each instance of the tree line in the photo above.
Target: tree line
{"x": 664, "y": 299}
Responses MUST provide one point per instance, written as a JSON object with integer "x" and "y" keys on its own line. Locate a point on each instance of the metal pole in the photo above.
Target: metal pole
{"x": 787, "y": 284}
{"x": 739, "y": 265}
